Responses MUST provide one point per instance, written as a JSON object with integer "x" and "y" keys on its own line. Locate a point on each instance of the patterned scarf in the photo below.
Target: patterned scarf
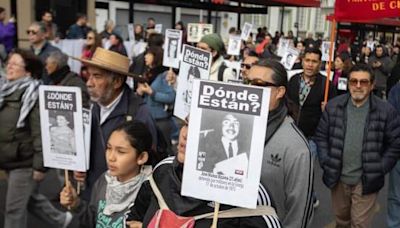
{"x": 28, "y": 99}
{"x": 304, "y": 90}
{"x": 120, "y": 195}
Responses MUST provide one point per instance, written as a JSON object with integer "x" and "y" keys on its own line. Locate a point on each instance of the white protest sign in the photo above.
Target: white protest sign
{"x": 172, "y": 48}
{"x": 283, "y": 45}
{"x": 371, "y": 44}
{"x": 235, "y": 66}
{"x": 234, "y": 45}
{"x": 87, "y": 125}
{"x": 131, "y": 32}
{"x": 225, "y": 143}
{"x": 158, "y": 28}
{"x": 342, "y": 83}
{"x": 197, "y": 31}
{"x": 195, "y": 64}
{"x": 62, "y": 127}
{"x": 246, "y": 31}
{"x": 289, "y": 58}
{"x": 325, "y": 50}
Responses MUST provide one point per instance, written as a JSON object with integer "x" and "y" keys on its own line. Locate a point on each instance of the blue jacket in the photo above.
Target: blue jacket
{"x": 163, "y": 94}
{"x": 101, "y": 133}
{"x": 77, "y": 32}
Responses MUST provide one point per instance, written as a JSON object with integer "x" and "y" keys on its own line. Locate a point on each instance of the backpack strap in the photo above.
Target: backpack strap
{"x": 221, "y": 71}
{"x": 240, "y": 212}
{"x": 160, "y": 199}
{"x": 231, "y": 213}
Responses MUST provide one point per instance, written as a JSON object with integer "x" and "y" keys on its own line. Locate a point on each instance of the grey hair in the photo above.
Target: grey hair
{"x": 108, "y": 23}
{"x": 59, "y": 58}
{"x": 41, "y": 25}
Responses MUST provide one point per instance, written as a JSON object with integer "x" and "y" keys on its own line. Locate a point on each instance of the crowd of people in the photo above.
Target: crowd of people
{"x": 137, "y": 148}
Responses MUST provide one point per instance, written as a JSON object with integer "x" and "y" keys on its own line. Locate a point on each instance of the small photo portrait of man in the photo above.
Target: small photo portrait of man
{"x": 193, "y": 73}
{"x": 173, "y": 48}
{"x": 223, "y": 136}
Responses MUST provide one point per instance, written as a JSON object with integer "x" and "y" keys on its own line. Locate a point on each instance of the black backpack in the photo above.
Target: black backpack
{"x": 163, "y": 149}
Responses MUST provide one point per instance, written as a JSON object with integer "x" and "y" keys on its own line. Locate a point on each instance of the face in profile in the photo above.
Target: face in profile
{"x": 230, "y": 127}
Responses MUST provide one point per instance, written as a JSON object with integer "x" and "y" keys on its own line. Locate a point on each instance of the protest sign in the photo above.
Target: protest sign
{"x": 62, "y": 128}
{"x": 289, "y": 58}
{"x": 158, "y": 28}
{"x": 195, "y": 64}
{"x": 282, "y": 46}
{"x": 172, "y": 48}
{"x": 131, "y": 32}
{"x": 225, "y": 143}
{"x": 234, "y": 45}
{"x": 87, "y": 125}
{"x": 197, "y": 31}
{"x": 246, "y": 31}
{"x": 342, "y": 84}
{"x": 235, "y": 66}
{"x": 325, "y": 50}
{"x": 371, "y": 44}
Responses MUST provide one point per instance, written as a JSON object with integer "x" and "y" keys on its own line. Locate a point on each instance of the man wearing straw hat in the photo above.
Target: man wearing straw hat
{"x": 113, "y": 103}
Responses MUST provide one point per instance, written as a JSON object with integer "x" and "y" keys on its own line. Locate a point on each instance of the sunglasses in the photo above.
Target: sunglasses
{"x": 246, "y": 65}
{"x": 31, "y": 31}
{"x": 90, "y": 38}
{"x": 363, "y": 82}
{"x": 259, "y": 82}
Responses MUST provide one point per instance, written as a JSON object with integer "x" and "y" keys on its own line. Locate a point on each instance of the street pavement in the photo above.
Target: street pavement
{"x": 323, "y": 216}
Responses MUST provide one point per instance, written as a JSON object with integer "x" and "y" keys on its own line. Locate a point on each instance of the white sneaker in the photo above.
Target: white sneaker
{"x": 68, "y": 219}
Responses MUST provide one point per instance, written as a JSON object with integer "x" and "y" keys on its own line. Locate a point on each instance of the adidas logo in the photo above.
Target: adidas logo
{"x": 274, "y": 160}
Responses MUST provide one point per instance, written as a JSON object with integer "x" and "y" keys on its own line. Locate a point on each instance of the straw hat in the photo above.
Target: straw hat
{"x": 111, "y": 61}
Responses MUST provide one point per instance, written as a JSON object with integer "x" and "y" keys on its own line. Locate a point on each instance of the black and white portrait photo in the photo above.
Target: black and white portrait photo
{"x": 192, "y": 74}
{"x": 62, "y": 137}
{"x": 173, "y": 47}
{"x": 223, "y": 136}
{"x": 193, "y": 35}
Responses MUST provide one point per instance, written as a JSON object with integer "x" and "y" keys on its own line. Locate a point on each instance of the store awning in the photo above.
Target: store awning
{"x": 382, "y": 21}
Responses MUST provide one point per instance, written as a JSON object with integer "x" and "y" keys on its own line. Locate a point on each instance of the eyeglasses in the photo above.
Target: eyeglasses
{"x": 259, "y": 82}
{"x": 90, "y": 38}
{"x": 363, "y": 82}
{"x": 31, "y": 31}
{"x": 246, "y": 65}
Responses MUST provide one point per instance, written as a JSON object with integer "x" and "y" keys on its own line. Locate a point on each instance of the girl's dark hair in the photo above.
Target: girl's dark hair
{"x": 33, "y": 64}
{"x": 2, "y": 9}
{"x": 138, "y": 135}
